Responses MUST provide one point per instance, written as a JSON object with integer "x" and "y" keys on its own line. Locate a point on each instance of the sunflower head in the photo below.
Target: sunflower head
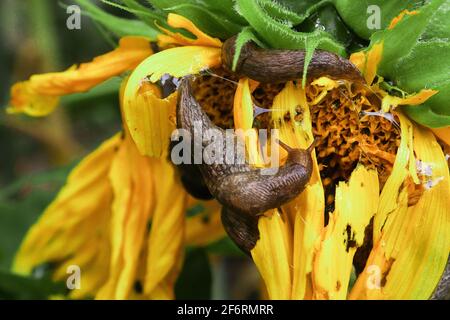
{"x": 348, "y": 109}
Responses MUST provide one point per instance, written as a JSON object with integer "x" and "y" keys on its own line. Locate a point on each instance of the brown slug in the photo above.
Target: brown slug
{"x": 243, "y": 191}
{"x": 275, "y": 65}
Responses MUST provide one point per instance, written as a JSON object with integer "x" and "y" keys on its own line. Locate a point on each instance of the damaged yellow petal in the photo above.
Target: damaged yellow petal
{"x": 404, "y": 164}
{"x": 356, "y": 203}
{"x": 39, "y": 95}
{"x": 177, "y": 62}
{"x": 177, "y": 21}
{"x": 74, "y": 229}
{"x": 305, "y": 213}
{"x": 151, "y": 120}
{"x": 391, "y": 102}
{"x": 411, "y": 253}
{"x": 271, "y": 255}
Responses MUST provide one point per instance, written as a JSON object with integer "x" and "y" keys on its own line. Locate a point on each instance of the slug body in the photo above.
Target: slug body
{"x": 238, "y": 186}
{"x": 273, "y": 66}
{"x": 244, "y": 192}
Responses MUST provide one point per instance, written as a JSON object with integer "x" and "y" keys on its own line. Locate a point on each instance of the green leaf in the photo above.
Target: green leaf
{"x": 118, "y": 26}
{"x": 226, "y": 8}
{"x": 15, "y": 287}
{"x": 280, "y": 35}
{"x": 209, "y": 22}
{"x": 147, "y": 15}
{"x": 20, "y": 206}
{"x": 195, "y": 278}
{"x": 109, "y": 87}
{"x": 415, "y": 56}
{"x": 425, "y": 115}
{"x": 224, "y": 247}
{"x": 216, "y": 18}
{"x": 356, "y": 13}
{"x": 246, "y": 35}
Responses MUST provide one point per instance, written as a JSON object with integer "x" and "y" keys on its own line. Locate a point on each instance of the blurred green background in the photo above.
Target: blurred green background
{"x": 36, "y": 154}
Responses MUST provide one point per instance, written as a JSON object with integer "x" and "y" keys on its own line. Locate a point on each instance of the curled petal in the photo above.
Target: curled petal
{"x": 39, "y": 95}
{"x": 151, "y": 120}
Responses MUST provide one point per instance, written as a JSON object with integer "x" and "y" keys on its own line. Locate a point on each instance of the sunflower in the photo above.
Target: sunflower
{"x": 372, "y": 223}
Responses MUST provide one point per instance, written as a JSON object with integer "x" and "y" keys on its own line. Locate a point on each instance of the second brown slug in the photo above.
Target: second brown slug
{"x": 244, "y": 191}
{"x": 273, "y": 66}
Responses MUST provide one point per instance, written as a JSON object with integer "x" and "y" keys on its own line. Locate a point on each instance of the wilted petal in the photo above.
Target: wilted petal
{"x": 166, "y": 238}
{"x": 355, "y": 204}
{"x": 39, "y": 95}
{"x": 131, "y": 178}
{"x": 74, "y": 229}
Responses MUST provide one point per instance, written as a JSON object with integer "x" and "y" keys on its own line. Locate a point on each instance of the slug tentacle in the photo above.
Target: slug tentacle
{"x": 274, "y": 65}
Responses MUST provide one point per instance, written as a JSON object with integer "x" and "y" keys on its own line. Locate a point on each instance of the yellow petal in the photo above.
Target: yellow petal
{"x": 165, "y": 242}
{"x": 391, "y": 102}
{"x": 151, "y": 120}
{"x": 443, "y": 134}
{"x": 404, "y": 164}
{"x": 131, "y": 178}
{"x": 413, "y": 247}
{"x": 177, "y": 21}
{"x": 243, "y": 106}
{"x": 243, "y": 120}
{"x": 177, "y": 62}
{"x": 306, "y": 211}
{"x": 373, "y": 58}
{"x": 39, "y": 95}
{"x": 356, "y": 202}
{"x": 359, "y": 60}
{"x": 271, "y": 256}
{"x": 74, "y": 229}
